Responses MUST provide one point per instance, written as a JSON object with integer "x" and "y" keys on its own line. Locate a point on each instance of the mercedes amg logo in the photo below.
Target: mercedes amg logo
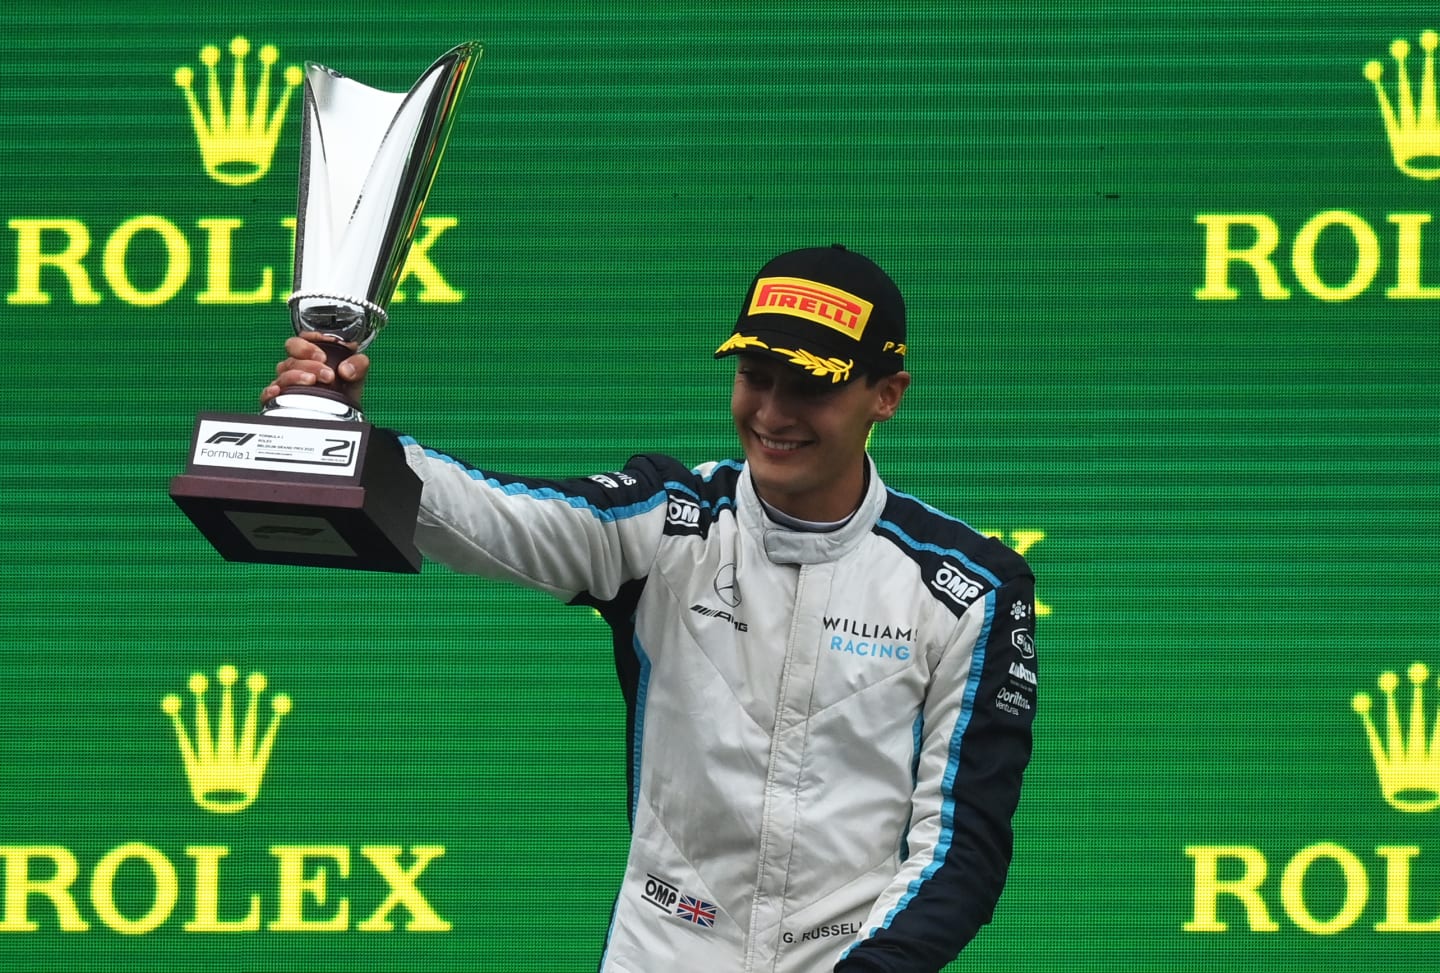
{"x": 725, "y": 585}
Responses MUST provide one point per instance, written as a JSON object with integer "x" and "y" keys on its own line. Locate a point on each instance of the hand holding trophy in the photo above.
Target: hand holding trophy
{"x": 306, "y": 482}
{"x": 307, "y": 364}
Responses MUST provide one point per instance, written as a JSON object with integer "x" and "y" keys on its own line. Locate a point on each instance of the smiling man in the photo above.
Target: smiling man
{"x": 804, "y": 441}
{"x": 829, "y": 685}
{"x": 803, "y": 341}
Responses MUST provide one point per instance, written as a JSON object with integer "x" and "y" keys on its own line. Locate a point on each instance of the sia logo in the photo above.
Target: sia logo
{"x": 1407, "y": 767}
{"x": 135, "y": 887}
{"x": 1244, "y": 255}
{"x": 150, "y": 259}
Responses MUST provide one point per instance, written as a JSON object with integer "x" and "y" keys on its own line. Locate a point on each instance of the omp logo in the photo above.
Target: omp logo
{"x": 806, "y": 299}
{"x": 237, "y": 135}
{"x": 1325, "y": 888}
{"x": 136, "y": 887}
{"x": 682, "y": 513}
{"x": 1407, "y": 759}
{"x": 1411, "y": 124}
{"x": 235, "y": 438}
{"x": 960, "y": 587}
{"x": 225, "y": 769}
{"x": 1337, "y": 255}
{"x": 660, "y": 893}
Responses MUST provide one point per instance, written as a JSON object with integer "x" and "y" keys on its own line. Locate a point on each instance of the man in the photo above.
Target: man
{"x": 829, "y": 684}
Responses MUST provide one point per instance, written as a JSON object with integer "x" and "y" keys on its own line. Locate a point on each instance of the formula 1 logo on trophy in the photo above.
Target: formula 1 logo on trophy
{"x": 306, "y": 482}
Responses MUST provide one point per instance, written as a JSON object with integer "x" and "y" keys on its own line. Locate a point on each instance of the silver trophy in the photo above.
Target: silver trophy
{"x": 367, "y": 159}
{"x": 306, "y": 482}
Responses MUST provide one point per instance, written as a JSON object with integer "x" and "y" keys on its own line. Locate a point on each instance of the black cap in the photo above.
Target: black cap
{"x": 827, "y": 310}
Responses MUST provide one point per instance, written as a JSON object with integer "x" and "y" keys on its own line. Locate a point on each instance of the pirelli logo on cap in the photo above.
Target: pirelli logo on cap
{"x": 806, "y": 299}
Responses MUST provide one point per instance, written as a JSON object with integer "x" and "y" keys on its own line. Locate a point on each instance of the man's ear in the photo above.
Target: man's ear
{"x": 888, "y": 393}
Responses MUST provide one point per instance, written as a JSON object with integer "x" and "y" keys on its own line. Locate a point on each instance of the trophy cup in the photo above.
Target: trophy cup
{"x": 307, "y": 481}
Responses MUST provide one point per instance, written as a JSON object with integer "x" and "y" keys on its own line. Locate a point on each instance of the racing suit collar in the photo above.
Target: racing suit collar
{"x": 783, "y": 545}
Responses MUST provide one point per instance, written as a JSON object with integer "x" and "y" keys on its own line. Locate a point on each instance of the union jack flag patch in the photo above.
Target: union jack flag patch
{"x": 695, "y": 910}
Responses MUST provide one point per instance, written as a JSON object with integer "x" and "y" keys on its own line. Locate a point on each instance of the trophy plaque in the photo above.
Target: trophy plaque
{"x": 308, "y": 481}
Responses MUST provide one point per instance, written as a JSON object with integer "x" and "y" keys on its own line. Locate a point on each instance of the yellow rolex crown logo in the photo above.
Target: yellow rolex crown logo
{"x": 237, "y": 140}
{"x": 1407, "y": 760}
{"x": 1412, "y": 126}
{"x": 224, "y": 766}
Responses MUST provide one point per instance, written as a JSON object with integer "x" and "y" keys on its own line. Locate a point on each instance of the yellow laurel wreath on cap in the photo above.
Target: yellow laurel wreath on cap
{"x": 740, "y": 341}
{"x": 837, "y": 368}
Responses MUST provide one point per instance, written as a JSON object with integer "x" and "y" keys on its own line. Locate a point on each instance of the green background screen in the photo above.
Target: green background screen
{"x": 1172, "y": 283}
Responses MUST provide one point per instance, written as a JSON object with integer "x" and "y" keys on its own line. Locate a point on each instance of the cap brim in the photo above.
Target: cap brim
{"x": 818, "y": 362}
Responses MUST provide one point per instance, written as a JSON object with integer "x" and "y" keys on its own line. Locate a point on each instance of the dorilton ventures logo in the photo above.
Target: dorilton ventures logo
{"x": 136, "y": 887}
{"x": 1407, "y": 767}
{"x": 150, "y": 259}
{"x": 1243, "y": 253}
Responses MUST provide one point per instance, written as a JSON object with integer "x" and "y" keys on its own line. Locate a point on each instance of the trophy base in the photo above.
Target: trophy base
{"x": 276, "y": 490}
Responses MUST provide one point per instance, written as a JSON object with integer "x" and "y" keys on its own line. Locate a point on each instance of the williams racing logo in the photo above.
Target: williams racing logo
{"x": 870, "y": 639}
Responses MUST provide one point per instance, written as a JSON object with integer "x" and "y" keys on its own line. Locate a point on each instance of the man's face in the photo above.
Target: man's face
{"x": 804, "y": 438}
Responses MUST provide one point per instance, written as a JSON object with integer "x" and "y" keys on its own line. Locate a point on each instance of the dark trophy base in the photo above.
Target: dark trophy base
{"x": 276, "y": 490}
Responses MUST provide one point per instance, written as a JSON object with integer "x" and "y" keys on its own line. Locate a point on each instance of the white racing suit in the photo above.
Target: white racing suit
{"x": 827, "y": 731}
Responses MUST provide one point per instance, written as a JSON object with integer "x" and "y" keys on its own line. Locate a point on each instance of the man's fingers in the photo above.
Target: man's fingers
{"x": 308, "y": 365}
{"x": 353, "y": 369}
{"x": 300, "y": 371}
{"x": 303, "y": 348}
